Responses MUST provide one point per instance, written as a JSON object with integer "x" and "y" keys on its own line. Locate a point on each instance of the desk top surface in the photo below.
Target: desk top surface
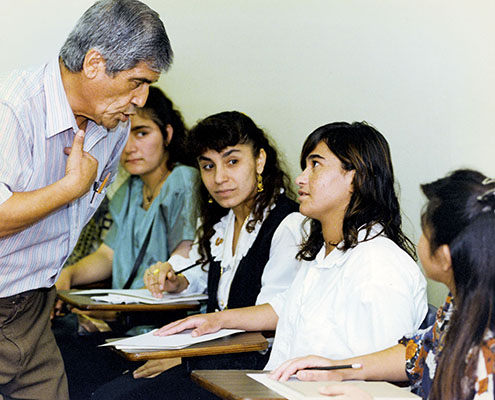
{"x": 233, "y": 385}
{"x": 236, "y": 385}
{"x": 237, "y": 343}
{"x": 84, "y": 302}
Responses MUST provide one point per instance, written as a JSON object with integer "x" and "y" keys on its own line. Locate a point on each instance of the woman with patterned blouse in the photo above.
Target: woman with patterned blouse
{"x": 455, "y": 357}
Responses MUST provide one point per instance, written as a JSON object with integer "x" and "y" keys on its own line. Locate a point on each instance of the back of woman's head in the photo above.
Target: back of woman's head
{"x": 360, "y": 148}
{"x": 161, "y": 110}
{"x": 231, "y": 128}
{"x": 460, "y": 213}
{"x": 454, "y": 202}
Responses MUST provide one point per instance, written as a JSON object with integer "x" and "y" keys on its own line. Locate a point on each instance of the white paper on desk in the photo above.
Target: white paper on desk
{"x": 143, "y": 296}
{"x": 295, "y": 389}
{"x": 116, "y": 299}
{"x": 150, "y": 342}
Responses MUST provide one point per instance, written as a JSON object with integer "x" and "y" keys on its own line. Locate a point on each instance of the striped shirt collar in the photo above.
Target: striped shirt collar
{"x": 59, "y": 115}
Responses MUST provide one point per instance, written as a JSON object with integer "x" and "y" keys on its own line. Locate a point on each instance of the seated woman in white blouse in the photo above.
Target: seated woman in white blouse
{"x": 248, "y": 238}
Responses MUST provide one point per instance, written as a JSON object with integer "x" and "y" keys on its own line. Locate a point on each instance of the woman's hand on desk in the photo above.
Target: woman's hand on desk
{"x": 161, "y": 277}
{"x": 297, "y": 366}
{"x": 200, "y": 323}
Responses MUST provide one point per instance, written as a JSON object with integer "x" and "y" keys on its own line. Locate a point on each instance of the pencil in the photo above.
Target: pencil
{"x": 96, "y": 189}
{"x": 103, "y": 183}
{"x": 187, "y": 268}
{"x": 332, "y": 367}
{"x": 157, "y": 270}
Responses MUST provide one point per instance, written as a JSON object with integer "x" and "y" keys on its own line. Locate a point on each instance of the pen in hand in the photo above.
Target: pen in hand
{"x": 156, "y": 287}
{"x": 156, "y": 270}
{"x": 333, "y": 367}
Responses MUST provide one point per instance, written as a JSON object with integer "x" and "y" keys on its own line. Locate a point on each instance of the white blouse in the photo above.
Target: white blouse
{"x": 349, "y": 303}
{"x": 279, "y": 271}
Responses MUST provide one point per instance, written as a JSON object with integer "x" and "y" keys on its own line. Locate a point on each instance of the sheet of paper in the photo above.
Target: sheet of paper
{"x": 127, "y": 296}
{"x": 150, "y": 342}
{"x": 116, "y": 299}
{"x": 295, "y": 389}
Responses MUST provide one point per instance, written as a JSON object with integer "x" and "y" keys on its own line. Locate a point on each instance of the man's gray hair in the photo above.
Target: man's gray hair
{"x": 125, "y": 32}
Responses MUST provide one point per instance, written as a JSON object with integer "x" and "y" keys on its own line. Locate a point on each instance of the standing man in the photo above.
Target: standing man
{"x": 62, "y": 129}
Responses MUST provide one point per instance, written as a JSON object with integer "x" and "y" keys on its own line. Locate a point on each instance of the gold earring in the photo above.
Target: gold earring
{"x": 259, "y": 184}
{"x": 210, "y": 200}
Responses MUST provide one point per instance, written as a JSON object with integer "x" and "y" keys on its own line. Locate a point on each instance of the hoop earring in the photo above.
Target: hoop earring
{"x": 259, "y": 183}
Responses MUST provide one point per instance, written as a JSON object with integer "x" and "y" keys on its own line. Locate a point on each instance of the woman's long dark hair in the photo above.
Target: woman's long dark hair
{"x": 360, "y": 148}
{"x": 218, "y": 132}
{"x": 161, "y": 110}
{"x": 461, "y": 214}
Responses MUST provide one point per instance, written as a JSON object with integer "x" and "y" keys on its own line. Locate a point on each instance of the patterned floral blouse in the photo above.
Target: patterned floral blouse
{"x": 423, "y": 350}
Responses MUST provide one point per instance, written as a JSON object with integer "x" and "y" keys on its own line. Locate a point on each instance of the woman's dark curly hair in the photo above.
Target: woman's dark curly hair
{"x": 360, "y": 148}
{"x": 160, "y": 109}
{"x": 218, "y": 132}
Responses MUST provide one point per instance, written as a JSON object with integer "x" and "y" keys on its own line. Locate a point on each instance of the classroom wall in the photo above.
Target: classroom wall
{"x": 420, "y": 71}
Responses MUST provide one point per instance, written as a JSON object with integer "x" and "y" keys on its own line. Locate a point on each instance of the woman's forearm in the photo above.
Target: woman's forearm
{"x": 255, "y": 318}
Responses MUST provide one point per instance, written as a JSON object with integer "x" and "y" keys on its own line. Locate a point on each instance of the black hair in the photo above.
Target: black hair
{"x": 460, "y": 213}
{"x": 161, "y": 110}
{"x": 360, "y": 148}
{"x": 218, "y": 132}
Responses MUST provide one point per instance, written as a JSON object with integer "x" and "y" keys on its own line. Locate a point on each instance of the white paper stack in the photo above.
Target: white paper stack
{"x": 294, "y": 389}
{"x": 150, "y": 342}
{"x": 142, "y": 296}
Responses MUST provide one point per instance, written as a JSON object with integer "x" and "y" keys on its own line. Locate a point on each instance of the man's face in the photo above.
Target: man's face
{"x": 115, "y": 98}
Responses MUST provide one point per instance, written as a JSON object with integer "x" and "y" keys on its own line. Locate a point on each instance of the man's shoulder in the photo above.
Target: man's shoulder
{"x": 19, "y": 86}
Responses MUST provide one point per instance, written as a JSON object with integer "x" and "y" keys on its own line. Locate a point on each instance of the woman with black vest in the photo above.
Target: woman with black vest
{"x": 246, "y": 245}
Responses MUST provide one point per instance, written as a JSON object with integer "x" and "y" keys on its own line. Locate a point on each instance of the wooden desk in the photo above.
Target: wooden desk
{"x": 238, "y": 343}
{"x": 84, "y": 302}
{"x": 236, "y": 385}
{"x": 233, "y": 385}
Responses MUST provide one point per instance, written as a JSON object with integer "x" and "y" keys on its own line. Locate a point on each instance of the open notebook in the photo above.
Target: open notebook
{"x": 150, "y": 342}
{"x": 143, "y": 296}
{"x": 295, "y": 389}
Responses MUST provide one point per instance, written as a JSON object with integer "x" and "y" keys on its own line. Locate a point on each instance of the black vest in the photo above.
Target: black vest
{"x": 246, "y": 284}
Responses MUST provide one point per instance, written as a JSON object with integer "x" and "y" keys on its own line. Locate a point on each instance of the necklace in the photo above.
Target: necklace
{"x": 149, "y": 197}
